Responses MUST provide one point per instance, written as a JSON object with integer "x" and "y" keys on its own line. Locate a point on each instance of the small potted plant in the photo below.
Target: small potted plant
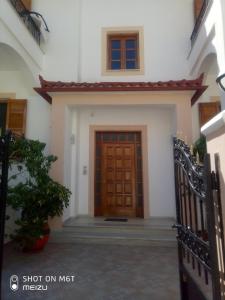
{"x": 200, "y": 148}
{"x": 33, "y": 193}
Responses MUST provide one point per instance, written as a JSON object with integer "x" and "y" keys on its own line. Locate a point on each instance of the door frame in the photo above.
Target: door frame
{"x": 129, "y": 128}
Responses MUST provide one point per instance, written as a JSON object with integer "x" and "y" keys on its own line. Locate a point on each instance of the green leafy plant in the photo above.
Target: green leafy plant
{"x": 32, "y": 191}
{"x": 200, "y": 148}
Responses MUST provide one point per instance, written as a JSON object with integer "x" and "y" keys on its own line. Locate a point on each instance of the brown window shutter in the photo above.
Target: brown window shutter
{"x": 27, "y": 4}
{"x": 207, "y": 111}
{"x": 16, "y": 116}
{"x": 197, "y": 7}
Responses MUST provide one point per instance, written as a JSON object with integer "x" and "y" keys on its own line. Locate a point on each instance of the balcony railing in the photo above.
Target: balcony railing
{"x": 206, "y": 4}
{"x": 24, "y": 14}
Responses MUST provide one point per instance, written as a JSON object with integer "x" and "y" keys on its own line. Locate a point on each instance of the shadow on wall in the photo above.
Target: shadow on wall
{"x": 210, "y": 68}
{"x": 208, "y": 62}
{"x": 14, "y": 68}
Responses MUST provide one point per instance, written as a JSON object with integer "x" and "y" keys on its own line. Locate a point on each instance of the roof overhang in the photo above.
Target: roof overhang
{"x": 48, "y": 87}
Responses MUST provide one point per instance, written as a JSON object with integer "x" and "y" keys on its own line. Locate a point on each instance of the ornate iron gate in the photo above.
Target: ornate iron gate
{"x": 4, "y": 159}
{"x": 199, "y": 226}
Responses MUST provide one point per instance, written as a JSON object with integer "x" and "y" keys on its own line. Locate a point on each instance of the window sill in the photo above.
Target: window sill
{"x": 123, "y": 72}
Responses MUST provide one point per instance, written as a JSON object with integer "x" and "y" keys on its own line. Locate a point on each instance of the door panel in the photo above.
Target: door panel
{"x": 118, "y": 176}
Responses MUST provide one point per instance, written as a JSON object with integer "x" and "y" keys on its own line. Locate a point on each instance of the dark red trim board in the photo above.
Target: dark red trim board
{"x": 172, "y": 85}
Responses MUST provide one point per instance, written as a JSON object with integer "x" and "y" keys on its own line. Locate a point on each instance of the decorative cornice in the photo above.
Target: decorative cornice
{"x": 172, "y": 85}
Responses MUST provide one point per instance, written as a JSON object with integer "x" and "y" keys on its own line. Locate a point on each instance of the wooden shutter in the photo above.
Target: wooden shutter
{"x": 27, "y": 4}
{"x": 207, "y": 111}
{"x": 16, "y": 116}
{"x": 197, "y": 7}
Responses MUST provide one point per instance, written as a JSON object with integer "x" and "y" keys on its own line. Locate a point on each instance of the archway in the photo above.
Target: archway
{"x": 12, "y": 62}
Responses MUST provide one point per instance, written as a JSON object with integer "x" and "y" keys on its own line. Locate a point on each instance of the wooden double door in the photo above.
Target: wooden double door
{"x": 118, "y": 174}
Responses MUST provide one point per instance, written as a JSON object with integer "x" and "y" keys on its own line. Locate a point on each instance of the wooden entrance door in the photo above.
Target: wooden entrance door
{"x": 118, "y": 178}
{"x": 118, "y": 174}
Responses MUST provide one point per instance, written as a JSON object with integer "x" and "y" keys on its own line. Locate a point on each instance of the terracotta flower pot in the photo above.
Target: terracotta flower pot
{"x": 40, "y": 243}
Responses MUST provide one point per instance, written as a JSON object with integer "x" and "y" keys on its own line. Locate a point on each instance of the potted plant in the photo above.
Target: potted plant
{"x": 200, "y": 148}
{"x": 34, "y": 193}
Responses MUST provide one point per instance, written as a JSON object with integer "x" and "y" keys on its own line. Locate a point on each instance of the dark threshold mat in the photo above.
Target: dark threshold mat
{"x": 116, "y": 219}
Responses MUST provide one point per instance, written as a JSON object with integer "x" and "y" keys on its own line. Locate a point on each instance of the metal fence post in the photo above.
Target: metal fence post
{"x": 4, "y": 164}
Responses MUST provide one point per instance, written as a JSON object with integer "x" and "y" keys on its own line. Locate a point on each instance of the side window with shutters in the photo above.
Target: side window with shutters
{"x": 27, "y": 4}
{"x": 197, "y": 7}
{"x": 207, "y": 110}
{"x": 13, "y": 116}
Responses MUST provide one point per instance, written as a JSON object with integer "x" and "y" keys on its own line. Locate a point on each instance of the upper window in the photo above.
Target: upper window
{"x": 123, "y": 52}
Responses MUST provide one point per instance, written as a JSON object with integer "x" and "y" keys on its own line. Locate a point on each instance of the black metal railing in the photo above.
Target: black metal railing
{"x": 206, "y": 4}
{"x": 4, "y": 162}
{"x": 197, "y": 220}
{"x": 27, "y": 19}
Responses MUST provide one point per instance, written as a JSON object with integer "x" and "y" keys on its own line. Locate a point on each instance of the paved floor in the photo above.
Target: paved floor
{"x": 102, "y": 272}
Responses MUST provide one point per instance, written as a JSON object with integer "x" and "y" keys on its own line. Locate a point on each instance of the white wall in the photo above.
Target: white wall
{"x": 13, "y": 82}
{"x": 160, "y": 154}
{"x": 38, "y": 120}
{"x": 73, "y": 51}
{"x": 167, "y": 25}
{"x": 71, "y": 167}
{"x": 61, "y": 51}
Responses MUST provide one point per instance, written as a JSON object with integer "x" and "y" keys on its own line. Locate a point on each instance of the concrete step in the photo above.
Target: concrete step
{"x": 131, "y": 233}
{"x": 154, "y": 222}
{"x": 119, "y": 231}
{"x": 122, "y": 226}
{"x": 112, "y": 241}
